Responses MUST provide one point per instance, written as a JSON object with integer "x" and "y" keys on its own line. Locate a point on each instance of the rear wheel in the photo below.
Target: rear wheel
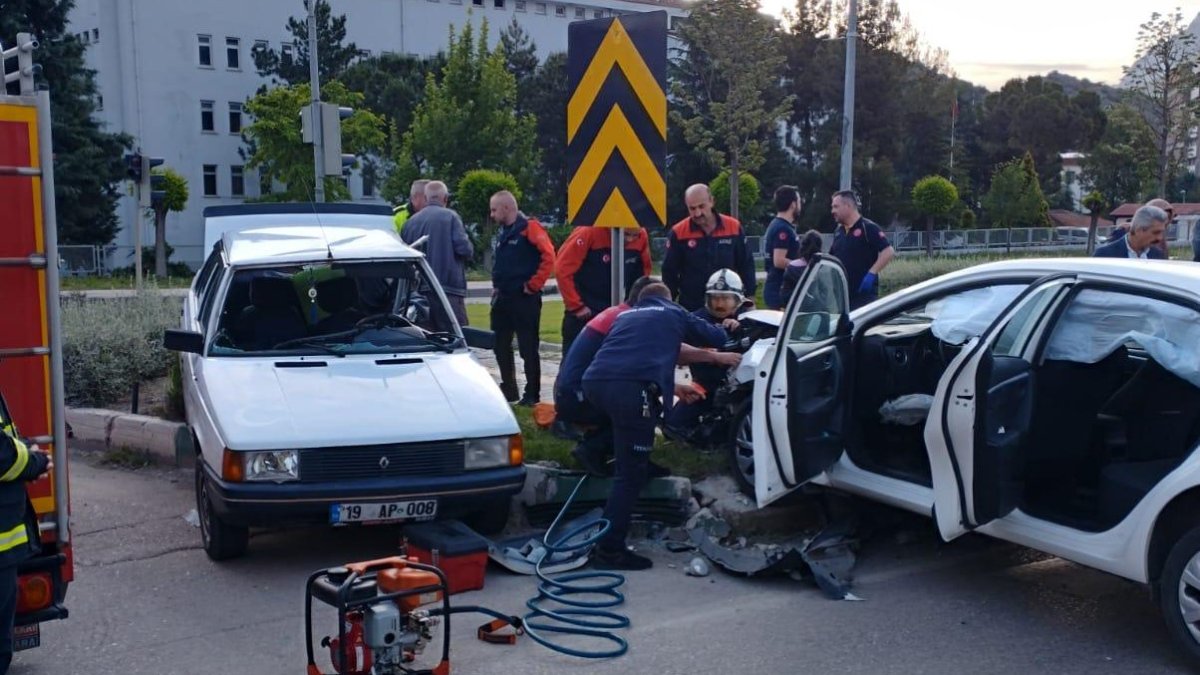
{"x": 740, "y": 449}
{"x": 221, "y": 540}
{"x": 491, "y": 520}
{"x": 1179, "y": 593}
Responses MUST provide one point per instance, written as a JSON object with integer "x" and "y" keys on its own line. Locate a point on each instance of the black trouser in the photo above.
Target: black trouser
{"x": 633, "y": 409}
{"x": 441, "y": 320}
{"x": 519, "y": 314}
{"x": 572, "y": 409}
{"x": 572, "y": 326}
{"x": 8, "y": 610}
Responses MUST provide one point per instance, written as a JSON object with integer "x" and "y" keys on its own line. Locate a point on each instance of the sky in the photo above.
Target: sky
{"x": 992, "y": 41}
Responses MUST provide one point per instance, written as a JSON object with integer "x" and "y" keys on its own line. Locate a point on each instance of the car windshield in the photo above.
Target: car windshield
{"x": 331, "y": 309}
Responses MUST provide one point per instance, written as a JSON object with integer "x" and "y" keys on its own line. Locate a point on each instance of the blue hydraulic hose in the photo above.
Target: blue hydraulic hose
{"x": 577, "y": 616}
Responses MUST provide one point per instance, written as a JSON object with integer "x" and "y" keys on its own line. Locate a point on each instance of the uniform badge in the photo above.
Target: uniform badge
{"x": 783, "y": 236}
{"x": 579, "y": 241}
{"x": 857, "y": 233}
{"x": 691, "y": 243}
{"x": 607, "y": 258}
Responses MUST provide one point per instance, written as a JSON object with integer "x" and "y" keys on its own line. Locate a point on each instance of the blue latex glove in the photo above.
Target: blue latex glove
{"x": 868, "y": 283}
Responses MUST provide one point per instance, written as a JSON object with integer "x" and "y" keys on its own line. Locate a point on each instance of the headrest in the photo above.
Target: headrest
{"x": 272, "y": 292}
{"x": 337, "y": 294}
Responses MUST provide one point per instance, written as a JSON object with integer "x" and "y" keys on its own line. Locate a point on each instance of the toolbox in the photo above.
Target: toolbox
{"x": 454, "y": 548}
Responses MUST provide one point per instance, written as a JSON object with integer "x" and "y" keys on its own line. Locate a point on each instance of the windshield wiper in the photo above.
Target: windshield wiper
{"x": 312, "y": 342}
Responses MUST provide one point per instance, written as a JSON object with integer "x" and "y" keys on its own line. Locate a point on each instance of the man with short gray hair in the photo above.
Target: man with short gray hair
{"x": 1146, "y": 231}
{"x": 448, "y": 250}
{"x": 416, "y": 202}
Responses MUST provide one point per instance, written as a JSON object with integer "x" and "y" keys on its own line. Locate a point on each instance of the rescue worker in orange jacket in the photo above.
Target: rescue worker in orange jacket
{"x": 701, "y": 244}
{"x": 19, "y": 464}
{"x": 523, "y": 263}
{"x": 584, "y": 273}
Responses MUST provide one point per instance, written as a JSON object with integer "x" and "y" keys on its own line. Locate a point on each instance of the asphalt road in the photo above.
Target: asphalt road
{"x": 147, "y": 600}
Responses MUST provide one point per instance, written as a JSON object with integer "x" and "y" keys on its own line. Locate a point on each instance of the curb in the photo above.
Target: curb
{"x": 165, "y": 441}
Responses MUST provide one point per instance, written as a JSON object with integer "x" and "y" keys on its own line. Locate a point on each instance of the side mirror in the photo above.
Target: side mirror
{"x": 177, "y": 340}
{"x": 479, "y": 338}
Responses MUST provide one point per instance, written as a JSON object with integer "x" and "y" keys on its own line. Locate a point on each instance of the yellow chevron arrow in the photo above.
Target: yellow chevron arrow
{"x": 617, "y": 136}
{"x": 616, "y": 212}
{"x": 617, "y": 49}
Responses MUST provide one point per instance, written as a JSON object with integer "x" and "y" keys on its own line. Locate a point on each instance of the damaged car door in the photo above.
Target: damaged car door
{"x": 802, "y": 388}
{"x": 979, "y": 423}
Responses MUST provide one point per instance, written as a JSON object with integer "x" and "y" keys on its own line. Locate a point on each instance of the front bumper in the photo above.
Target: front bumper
{"x": 270, "y": 504}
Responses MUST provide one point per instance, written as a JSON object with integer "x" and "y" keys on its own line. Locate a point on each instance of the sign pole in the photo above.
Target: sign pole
{"x": 618, "y": 266}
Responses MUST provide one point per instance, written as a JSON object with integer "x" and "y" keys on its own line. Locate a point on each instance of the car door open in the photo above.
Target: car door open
{"x": 801, "y": 391}
{"x": 979, "y": 423}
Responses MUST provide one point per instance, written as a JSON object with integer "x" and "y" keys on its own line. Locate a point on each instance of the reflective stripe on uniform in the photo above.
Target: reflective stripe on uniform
{"x": 13, "y": 538}
{"x": 21, "y": 461}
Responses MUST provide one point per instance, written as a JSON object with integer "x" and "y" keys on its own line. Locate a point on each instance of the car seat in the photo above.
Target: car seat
{"x": 273, "y": 315}
{"x": 337, "y": 297}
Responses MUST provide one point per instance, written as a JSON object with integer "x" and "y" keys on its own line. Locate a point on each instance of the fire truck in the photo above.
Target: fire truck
{"x": 31, "y": 369}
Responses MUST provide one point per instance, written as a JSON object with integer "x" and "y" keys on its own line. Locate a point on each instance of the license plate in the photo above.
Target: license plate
{"x": 386, "y": 512}
{"x": 27, "y": 637}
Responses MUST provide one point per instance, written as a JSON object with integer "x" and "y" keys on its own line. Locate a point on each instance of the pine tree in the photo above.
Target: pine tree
{"x": 87, "y": 167}
{"x": 333, "y": 57}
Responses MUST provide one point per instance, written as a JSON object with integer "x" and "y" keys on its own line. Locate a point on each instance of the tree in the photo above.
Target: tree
{"x": 966, "y": 220}
{"x": 87, "y": 161}
{"x": 1015, "y": 198}
{"x": 1121, "y": 167}
{"x": 333, "y": 57}
{"x": 520, "y": 60}
{"x": 473, "y": 198}
{"x": 1095, "y": 203}
{"x": 468, "y": 120}
{"x": 748, "y": 192}
{"x": 276, "y": 148}
{"x": 934, "y": 196}
{"x": 1162, "y": 78}
{"x": 175, "y": 199}
{"x": 392, "y": 84}
{"x": 736, "y": 53}
{"x": 546, "y": 101}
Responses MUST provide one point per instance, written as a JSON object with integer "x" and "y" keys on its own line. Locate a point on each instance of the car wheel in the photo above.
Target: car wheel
{"x": 221, "y": 540}
{"x": 740, "y": 449}
{"x": 491, "y": 520}
{"x": 1179, "y": 593}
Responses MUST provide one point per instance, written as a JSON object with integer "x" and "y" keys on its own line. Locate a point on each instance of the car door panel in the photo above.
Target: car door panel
{"x": 816, "y": 389}
{"x": 1000, "y": 452}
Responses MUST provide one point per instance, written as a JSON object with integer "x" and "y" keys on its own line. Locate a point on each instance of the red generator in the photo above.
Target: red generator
{"x": 452, "y": 547}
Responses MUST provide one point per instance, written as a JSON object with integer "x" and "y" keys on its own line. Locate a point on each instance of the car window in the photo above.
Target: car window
{"x": 821, "y": 308}
{"x": 209, "y": 295}
{"x": 330, "y": 308}
{"x": 203, "y": 282}
{"x": 958, "y": 316}
{"x": 1022, "y": 326}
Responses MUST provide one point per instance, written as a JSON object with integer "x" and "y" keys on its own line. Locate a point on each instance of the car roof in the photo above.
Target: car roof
{"x": 1169, "y": 274}
{"x": 290, "y": 244}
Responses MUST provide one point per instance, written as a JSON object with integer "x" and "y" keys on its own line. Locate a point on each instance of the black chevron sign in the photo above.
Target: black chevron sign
{"x": 617, "y": 121}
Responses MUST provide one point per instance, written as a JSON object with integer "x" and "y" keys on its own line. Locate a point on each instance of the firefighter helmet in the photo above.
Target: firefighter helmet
{"x": 725, "y": 282}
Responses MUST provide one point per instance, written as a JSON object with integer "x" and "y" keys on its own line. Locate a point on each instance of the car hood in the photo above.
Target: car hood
{"x": 357, "y": 400}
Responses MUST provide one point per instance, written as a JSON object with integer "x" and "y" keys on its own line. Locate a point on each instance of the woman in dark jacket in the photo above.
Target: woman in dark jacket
{"x": 810, "y": 245}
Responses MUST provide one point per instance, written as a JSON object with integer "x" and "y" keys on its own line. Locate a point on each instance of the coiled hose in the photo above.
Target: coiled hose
{"x": 576, "y": 616}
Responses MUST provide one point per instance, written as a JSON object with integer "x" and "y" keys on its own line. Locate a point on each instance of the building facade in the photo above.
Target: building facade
{"x": 175, "y": 75}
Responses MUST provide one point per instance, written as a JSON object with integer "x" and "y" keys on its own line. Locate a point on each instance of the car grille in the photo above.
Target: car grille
{"x": 368, "y": 461}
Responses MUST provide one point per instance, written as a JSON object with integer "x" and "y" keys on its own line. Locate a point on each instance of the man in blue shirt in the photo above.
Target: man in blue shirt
{"x": 782, "y": 244}
{"x": 631, "y": 380}
{"x": 861, "y": 247}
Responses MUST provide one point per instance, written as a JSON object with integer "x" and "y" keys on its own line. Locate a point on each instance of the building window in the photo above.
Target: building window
{"x": 287, "y": 51}
{"x": 579, "y": 12}
{"x": 456, "y": 2}
{"x": 540, "y": 8}
{"x": 261, "y": 46}
{"x": 235, "y": 117}
{"x": 519, "y": 5}
{"x": 560, "y": 11}
{"x": 99, "y": 103}
{"x": 233, "y": 53}
{"x": 207, "y": 121}
{"x": 237, "y": 180}
{"x": 85, "y": 37}
{"x": 477, "y": 3}
{"x": 499, "y": 4}
{"x": 95, "y": 35}
{"x": 598, "y": 14}
{"x": 205, "y": 43}
{"x": 210, "y": 180}
{"x": 364, "y": 53}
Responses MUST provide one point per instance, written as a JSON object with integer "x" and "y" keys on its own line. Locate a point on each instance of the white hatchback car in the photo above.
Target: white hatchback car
{"x": 1054, "y": 403}
{"x": 317, "y": 389}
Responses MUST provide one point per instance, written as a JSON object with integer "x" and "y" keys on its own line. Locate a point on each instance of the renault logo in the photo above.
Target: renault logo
{"x": 383, "y": 462}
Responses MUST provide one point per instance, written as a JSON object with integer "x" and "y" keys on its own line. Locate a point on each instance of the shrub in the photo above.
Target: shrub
{"x": 110, "y": 344}
{"x": 748, "y": 195}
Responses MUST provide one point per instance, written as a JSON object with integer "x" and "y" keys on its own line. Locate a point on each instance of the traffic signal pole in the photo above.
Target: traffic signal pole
{"x": 314, "y": 80}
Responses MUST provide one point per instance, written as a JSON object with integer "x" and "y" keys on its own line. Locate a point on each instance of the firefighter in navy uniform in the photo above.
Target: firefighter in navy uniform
{"x": 584, "y": 273}
{"x": 701, "y": 244}
{"x": 631, "y": 380}
{"x": 19, "y": 464}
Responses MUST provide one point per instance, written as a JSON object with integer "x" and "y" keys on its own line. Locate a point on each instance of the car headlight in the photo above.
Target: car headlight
{"x": 273, "y": 465}
{"x": 486, "y": 453}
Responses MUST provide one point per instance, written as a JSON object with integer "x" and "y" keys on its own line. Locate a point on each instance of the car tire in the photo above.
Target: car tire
{"x": 491, "y": 520}
{"x": 739, "y": 449}
{"x": 221, "y": 540}
{"x": 1179, "y": 593}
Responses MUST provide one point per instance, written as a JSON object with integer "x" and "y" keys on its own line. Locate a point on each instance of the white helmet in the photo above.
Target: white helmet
{"x": 725, "y": 282}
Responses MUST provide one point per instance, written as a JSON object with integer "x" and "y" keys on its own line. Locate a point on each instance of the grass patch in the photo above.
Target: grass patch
{"x": 119, "y": 281}
{"x": 479, "y": 314}
{"x": 126, "y": 458}
{"x": 543, "y": 446}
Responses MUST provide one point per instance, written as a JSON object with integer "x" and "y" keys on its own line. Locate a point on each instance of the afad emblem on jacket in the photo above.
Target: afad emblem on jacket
{"x": 691, "y": 243}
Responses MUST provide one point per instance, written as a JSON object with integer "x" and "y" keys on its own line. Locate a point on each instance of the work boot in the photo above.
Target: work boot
{"x": 593, "y": 461}
{"x": 623, "y": 559}
{"x": 510, "y": 392}
{"x": 529, "y": 400}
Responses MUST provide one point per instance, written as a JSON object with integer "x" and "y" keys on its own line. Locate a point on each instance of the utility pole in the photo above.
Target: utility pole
{"x": 314, "y": 80}
{"x": 848, "y": 97}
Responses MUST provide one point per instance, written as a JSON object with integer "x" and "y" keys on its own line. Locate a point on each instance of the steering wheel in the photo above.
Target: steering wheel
{"x": 381, "y": 320}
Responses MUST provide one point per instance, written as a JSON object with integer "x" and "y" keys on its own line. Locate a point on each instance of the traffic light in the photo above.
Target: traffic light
{"x": 158, "y": 187}
{"x": 331, "y": 135}
{"x": 133, "y": 167}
